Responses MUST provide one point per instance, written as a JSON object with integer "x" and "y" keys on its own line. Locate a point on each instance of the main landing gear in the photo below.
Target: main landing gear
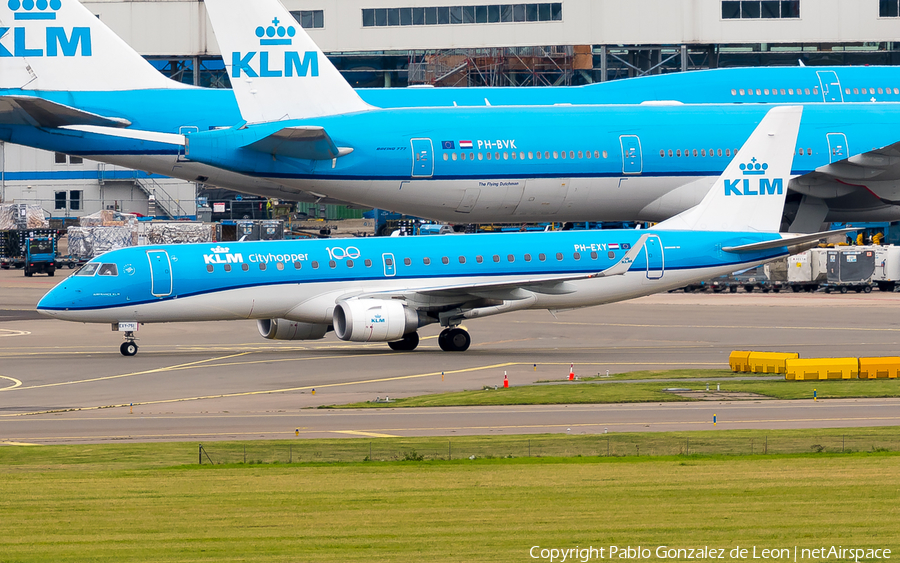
{"x": 406, "y": 344}
{"x": 454, "y": 340}
{"x": 450, "y": 340}
{"x": 129, "y": 347}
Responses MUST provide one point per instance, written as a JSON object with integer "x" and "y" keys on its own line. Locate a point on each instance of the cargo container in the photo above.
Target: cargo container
{"x": 850, "y": 268}
{"x": 887, "y": 267}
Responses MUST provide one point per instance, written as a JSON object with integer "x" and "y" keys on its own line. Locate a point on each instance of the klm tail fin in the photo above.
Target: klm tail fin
{"x": 749, "y": 195}
{"x": 61, "y": 45}
{"x": 276, "y": 70}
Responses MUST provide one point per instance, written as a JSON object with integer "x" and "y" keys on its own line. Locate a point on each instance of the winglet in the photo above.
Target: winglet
{"x": 749, "y": 195}
{"x": 625, "y": 263}
{"x": 61, "y": 45}
{"x": 276, "y": 70}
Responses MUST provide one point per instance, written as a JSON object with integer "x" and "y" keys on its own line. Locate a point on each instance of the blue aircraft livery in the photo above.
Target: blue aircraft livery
{"x": 386, "y": 289}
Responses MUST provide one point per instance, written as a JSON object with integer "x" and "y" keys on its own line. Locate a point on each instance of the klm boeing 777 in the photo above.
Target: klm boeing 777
{"x": 306, "y": 128}
{"x": 384, "y": 290}
{"x": 58, "y": 94}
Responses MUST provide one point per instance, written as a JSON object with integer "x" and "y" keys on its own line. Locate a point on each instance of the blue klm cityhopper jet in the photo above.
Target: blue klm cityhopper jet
{"x": 385, "y": 289}
{"x": 68, "y": 84}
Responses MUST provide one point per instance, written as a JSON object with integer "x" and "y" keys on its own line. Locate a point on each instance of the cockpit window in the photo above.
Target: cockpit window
{"x": 108, "y": 270}
{"x": 88, "y": 269}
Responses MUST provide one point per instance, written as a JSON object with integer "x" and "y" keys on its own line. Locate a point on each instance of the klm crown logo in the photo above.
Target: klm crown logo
{"x": 754, "y": 168}
{"x": 267, "y": 35}
{"x": 276, "y": 34}
{"x": 764, "y": 186}
{"x": 52, "y": 41}
{"x": 30, "y": 5}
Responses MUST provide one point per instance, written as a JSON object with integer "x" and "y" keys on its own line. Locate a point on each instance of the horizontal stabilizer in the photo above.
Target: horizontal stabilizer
{"x": 789, "y": 240}
{"x": 309, "y": 143}
{"x": 38, "y": 112}
{"x": 135, "y": 134}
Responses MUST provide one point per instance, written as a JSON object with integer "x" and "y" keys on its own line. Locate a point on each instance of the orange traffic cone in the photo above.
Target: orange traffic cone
{"x": 572, "y": 372}
{"x": 505, "y": 381}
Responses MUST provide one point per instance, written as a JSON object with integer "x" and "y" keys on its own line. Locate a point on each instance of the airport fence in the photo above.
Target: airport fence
{"x": 601, "y": 445}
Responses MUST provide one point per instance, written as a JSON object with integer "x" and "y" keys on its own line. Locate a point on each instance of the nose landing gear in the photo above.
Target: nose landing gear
{"x": 129, "y": 347}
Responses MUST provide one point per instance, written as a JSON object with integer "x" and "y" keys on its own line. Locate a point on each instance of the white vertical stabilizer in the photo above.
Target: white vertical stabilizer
{"x": 276, "y": 70}
{"x": 749, "y": 195}
{"x": 61, "y": 45}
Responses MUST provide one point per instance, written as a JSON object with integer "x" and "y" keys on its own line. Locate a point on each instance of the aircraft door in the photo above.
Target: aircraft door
{"x": 423, "y": 158}
{"x": 160, "y": 273}
{"x": 831, "y": 86}
{"x": 185, "y": 130}
{"x": 632, "y": 161}
{"x": 653, "y": 252}
{"x": 390, "y": 269}
{"x": 837, "y": 147}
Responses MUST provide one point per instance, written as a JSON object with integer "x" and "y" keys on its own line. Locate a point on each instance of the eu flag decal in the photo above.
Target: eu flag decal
{"x": 448, "y": 145}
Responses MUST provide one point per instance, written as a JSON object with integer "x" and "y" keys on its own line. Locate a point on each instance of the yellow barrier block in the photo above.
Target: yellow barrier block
{"x": 738, "y": 361}
{"x": 879, "y": 368}
{"x": 822, "y": 368}
{"x": 770, "y": 362}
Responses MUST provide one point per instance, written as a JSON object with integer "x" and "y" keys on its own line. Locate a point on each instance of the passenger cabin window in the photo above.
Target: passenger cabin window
{"x": 407, "y": 262}
{"x": 426, "y": 261}
{"x": 479, "y": 259}
{"x": 559, "y": 256}
{"x": 262, "y": 266}
{"x": 298, "y": 265}
{"x": 246, "y": 267}
{"x": 368, "y": 263}
{"x": 315, "y": 265}
{"x": 278, "y": 265}
{"x": 209, "y": 268}
{"x": 227, "y": 269}
{"x": 108, "y": 270}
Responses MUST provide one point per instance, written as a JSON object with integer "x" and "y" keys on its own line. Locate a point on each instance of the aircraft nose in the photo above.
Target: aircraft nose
{"x": 55, "y": 301}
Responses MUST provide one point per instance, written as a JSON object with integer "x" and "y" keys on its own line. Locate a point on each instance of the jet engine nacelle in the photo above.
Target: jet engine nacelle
{"x": 283, "y": 329}
{"x": 373, "y": 320}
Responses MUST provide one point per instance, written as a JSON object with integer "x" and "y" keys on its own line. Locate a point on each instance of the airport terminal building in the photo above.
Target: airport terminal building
{"x": 400, "y": 43}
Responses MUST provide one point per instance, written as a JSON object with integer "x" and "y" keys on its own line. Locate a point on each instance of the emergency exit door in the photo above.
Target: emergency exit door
{"x": 831, "y": 86}
{"x": 423, "y": 158}
{"x": 160, "y": 273}
{"x": 632, "y": 161}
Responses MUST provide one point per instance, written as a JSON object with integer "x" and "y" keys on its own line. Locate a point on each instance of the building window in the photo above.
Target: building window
{"x": 889, "y": 8}
{"x": 310, "y": 19}
{"x": 60, "y": 199}
{"x": 443, "y": 15}
{"x": 760, "y": 9}
{"x": 75, "y": 200}
{"x": 60, "y": 158}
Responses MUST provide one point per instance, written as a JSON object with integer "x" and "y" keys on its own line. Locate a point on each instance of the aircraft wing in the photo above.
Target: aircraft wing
{"x": 307, "y": 143}
{"x": 38, "y": 112}
{"x": 876, "y": 172}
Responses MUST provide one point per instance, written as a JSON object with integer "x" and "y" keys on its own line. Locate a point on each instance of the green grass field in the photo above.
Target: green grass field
{"x": 642, "y": 392}
{"x": 145, "y": 503}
